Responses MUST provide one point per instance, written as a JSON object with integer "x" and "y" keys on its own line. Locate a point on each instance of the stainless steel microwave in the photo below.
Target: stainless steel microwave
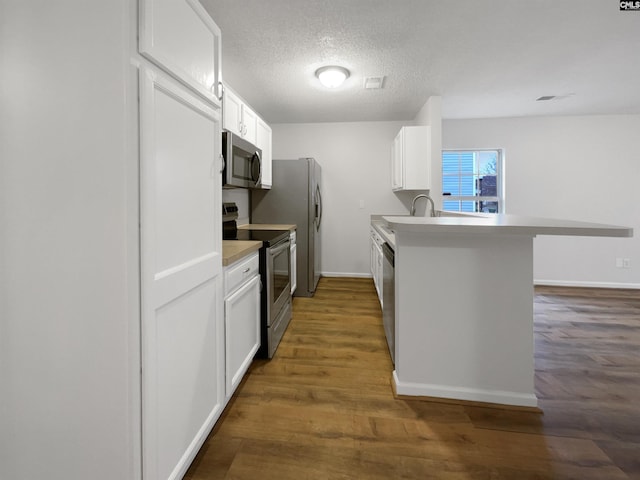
{"x": 242, "y": 162}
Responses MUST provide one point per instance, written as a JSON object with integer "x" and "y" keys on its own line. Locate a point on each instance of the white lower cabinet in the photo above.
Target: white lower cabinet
{"x": 376, "y": 259}
{"x": 241, "y": 319}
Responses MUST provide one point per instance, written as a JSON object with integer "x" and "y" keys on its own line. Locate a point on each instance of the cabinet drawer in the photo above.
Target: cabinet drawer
{"x": 236, "y": 273}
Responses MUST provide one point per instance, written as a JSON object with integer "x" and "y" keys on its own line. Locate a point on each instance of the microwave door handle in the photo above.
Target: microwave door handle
{"x": 255, "y": 157}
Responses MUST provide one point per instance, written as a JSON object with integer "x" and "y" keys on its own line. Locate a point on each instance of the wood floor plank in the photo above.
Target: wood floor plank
{"x": 323, "y": 407}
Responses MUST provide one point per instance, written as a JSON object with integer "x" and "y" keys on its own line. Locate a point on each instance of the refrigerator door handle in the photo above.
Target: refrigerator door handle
{"x": 318, "y": 208}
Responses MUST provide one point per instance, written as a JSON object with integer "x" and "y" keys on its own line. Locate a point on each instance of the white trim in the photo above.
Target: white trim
{"x": 346, "y": 274}
{"x": 578, "y": 283}
{"x": 133, "y": 271}
{"x": 550, "y": 283}
{"x": 462, "y": 393}
{"x": 194, "y": 447}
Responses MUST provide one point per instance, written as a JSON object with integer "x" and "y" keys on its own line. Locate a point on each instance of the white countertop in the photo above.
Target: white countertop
{"x": 384, "y": 231}
{"x": 502, "y": 224}
{"x": 268, "y": 226}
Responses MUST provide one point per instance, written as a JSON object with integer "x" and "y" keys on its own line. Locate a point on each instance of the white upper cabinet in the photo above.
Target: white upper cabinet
{"x": 238, "y": 117}
{"x": 411, "y": 159}
{"x": 231, "y": 112}
{"x": 263, "y": 142}
{"x": 180, "y": 37}
{"x": 249, "y": 124}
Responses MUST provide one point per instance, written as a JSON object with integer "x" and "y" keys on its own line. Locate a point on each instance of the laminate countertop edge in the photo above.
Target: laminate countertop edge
{"x": 234, "y": 250}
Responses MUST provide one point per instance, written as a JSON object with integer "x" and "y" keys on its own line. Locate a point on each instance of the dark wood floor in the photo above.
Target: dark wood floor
{"x": 323, "y": 408}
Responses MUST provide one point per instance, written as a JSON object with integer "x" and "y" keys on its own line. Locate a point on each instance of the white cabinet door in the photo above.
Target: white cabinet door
{"x": 249, "y": 124}
{"x": 238, "y": 117}
{"x": 294, "y": 268}
{"x": 263, "y": 142}
{"x": 376, "y": 260}
{"x": 411, "y": 159}
{"x": 242, "y": 331}
{"x": 373, "y": 258}
{"x": 379, "y": 274}
{"x": 232, "y": 112}
{"x": 180, "y": 37}
{"x": 396, "y": 162}
{"x": 181, "y": 266}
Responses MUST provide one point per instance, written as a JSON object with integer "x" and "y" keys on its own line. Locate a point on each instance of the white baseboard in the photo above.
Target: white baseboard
{"x": 463, "y": 393}
{"x": 342, "y": 274}
{"x": 573, "y": 283}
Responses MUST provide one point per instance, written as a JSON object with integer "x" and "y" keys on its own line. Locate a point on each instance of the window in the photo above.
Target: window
{"x": 472, "y": 181}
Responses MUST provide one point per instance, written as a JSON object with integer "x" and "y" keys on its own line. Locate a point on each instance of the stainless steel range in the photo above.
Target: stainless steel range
{"x": 275, "y": 273}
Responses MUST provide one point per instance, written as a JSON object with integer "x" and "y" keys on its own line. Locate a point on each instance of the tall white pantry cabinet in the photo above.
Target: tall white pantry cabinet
{"x": 111, "y": 331}
{"x": 181, "y": 240}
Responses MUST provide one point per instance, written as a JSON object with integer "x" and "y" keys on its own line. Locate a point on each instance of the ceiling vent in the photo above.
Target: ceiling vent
{"x": 554, "y": 97}
{"x": 373, "y": 83}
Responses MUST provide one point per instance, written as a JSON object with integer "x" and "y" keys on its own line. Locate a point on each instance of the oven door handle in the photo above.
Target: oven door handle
{"x": 273, "y": 251}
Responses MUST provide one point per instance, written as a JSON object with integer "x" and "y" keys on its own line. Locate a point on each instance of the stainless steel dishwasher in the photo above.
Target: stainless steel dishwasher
{"x": 388, "y": 298}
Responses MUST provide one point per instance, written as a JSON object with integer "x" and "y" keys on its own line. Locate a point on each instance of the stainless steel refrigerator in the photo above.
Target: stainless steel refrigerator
{"x": 295, "y": 198}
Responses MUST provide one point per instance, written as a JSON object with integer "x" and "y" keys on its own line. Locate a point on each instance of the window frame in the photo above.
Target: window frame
{"x": 500, "y": 183}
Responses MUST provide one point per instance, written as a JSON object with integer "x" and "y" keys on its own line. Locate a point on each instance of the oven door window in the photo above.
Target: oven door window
{"x": 280, "y": 274}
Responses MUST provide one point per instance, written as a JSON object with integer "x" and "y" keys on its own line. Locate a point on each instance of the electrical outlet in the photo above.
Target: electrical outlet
{"x": 626, "y": 263}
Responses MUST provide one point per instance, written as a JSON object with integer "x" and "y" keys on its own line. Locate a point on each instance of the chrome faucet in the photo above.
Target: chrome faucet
{"x": 429, "y": 199}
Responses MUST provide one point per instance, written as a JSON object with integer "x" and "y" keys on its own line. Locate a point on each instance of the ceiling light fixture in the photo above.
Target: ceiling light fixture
{"x": 332, "y": 76}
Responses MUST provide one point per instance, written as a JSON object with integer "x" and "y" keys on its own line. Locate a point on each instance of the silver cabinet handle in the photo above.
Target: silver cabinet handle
{"x": 247, "y": 270}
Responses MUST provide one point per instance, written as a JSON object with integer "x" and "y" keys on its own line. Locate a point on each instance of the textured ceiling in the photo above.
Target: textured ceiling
{"x": 486, "y": 58}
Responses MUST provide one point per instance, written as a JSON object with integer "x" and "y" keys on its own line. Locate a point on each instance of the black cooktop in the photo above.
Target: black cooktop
{"x": 268, "y": 237}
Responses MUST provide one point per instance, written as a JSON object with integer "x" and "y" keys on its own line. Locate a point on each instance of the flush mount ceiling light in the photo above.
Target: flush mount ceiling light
{"x": 332, "y": 76}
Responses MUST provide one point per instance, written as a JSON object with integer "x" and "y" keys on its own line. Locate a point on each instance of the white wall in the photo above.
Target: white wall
{"x": 431, "y": 114}
{"x": 580, "y": 168}
{"x": 356, "y": 167}
{"x": 66, "y": 408}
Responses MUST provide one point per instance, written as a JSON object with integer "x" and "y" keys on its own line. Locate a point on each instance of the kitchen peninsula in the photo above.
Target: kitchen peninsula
{"x": 464, "y": 303}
